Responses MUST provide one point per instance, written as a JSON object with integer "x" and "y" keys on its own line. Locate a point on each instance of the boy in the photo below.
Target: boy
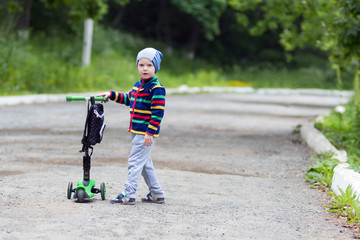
{"x": 147, "y": 105}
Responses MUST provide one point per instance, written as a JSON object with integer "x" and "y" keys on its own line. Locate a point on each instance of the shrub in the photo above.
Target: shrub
{"x": 321, "y": 172}
{"x": 346, "y": 205}
{"x": 342, "y": 129}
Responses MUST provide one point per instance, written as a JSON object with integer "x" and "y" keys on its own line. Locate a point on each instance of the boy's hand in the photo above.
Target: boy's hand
{"x": 105, "y": 95}
{"x": 148, "y": 140}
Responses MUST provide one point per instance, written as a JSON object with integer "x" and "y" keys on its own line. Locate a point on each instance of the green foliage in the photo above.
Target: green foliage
{"x": 123, "y": 2}
{"x": 46, "y": 64}
{"x": 332, "y": 25}
{"x": 321, "y": 172}
{"x": 10, "y": 7}
{"x": 81, "y": 9}
{"x": 223, "y": 37}
{"x": 346, "y": 205}
{"x": 343, "y": 131}
{"x": 9, "y": 12}
{"x": 207, "y": 13}
{"x": 269, "y": 76}
{"x": 52, "y": 65}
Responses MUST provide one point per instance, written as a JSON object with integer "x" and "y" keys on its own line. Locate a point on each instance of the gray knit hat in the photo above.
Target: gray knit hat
{"x": 153, "y": 55}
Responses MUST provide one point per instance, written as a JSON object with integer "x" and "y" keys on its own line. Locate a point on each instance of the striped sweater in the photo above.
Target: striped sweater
{"x": 147, "y": 106}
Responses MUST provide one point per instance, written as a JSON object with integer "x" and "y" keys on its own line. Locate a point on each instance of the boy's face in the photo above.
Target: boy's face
{"x": 146, "y": 68}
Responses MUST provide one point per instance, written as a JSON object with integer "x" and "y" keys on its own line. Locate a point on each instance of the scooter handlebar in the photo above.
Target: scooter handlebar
{"x": 82, "y": 98}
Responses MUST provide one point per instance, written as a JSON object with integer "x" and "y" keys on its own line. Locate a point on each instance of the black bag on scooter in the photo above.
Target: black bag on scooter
{"x": 94, "y": 125}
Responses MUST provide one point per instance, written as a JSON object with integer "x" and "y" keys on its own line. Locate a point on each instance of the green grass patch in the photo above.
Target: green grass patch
{"x": 320, "y": 175}
{"x": 321, "y": 172}
{"x": 46, "y": 64}
{"x": 281, "y": 77}
{"x": 346, "y": 205}
{"x": 342, "y": 128}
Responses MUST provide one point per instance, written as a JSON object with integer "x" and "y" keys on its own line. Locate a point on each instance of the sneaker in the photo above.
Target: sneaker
{"x": 150, "y": 199}
{"x": 123, "y": 199}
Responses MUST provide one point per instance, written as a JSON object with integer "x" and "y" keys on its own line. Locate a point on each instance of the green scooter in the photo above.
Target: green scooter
{"x": 94, "y": 128}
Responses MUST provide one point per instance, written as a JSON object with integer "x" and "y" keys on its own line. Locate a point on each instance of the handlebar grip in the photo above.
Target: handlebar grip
{"x": 82, "y": 98}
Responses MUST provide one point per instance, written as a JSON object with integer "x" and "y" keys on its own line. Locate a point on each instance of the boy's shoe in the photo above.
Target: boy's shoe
{"x": 150, "y": 199}
{"x": 123, "y": 199}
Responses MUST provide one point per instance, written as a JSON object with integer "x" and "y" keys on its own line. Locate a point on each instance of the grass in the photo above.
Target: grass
{"x": 320, "y": 174}
{"x": 46, "y": 64}
{"x": 342, "y": 129}
{"x": 346, "y": 205}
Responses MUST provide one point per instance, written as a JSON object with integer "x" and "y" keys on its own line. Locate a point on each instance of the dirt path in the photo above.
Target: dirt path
{"x": 230, "y": 166}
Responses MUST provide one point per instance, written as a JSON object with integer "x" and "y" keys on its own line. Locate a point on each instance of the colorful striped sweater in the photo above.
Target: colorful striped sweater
{"x": 147, "y": 106}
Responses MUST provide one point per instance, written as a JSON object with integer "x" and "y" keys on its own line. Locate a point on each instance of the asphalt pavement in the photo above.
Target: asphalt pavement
{"x": 230, "y": 164}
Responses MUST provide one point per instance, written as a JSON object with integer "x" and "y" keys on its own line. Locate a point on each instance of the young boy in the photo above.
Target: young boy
{"x": 147, "y": 105}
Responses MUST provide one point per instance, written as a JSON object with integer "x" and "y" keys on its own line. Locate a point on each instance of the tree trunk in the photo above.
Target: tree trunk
{"x": 162, "y": 18}
{"x": 118, "y": 18}
{"x": 163, "y": 30}
{"x": 193, "y": 41}
{"x": 24, "y": 21}
{"x": 356, "y": 87}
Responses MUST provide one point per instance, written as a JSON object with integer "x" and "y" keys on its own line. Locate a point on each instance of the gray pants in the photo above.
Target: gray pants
{"x": 140, "y": 163}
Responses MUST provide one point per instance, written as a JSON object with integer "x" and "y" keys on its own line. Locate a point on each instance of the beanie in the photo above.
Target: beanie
{"x": 153, "y": 55}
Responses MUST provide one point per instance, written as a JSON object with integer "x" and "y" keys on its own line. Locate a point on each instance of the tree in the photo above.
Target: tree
{"x": 24, "y": 20}
{"x": 206, "y": 15}
{"x": 87, "y": 11}
{"x": 120, "y": 13}
{"x": 15, "y": 15}
{"x": 331, "y": 25}
{"x": 81, "y": 9}
{"x": 200, "y": 18}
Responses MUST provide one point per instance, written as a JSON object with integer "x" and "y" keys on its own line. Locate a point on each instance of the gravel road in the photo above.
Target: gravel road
{"x": 231, "y": 167}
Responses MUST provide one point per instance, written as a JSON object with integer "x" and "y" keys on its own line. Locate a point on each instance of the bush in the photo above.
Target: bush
{"x": 46, "y": 64}
{"x": 346, "y": 205}
{"x": 342, "y": 129}
{"x": 321, "y": 172}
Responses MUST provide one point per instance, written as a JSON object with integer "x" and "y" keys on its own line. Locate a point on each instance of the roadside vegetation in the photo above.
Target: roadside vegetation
{"x": 205, "y": 43}
{"x": 346, "y": 205}
{"x": 342, "y": 128}
{"x": 53, "y": 65}
{"x": 320, "y": 174}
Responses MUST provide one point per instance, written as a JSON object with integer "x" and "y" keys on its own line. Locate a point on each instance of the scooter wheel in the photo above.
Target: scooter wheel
{"x": 69, "y": 190}
{"x": 103, "y": 191}
{"x": 81, "y": 195}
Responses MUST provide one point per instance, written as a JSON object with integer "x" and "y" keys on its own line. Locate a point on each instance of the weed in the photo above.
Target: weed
{"x": 321, "y": 172}
{"x": 346, "y": 205}
{"x": 342, "y": 129}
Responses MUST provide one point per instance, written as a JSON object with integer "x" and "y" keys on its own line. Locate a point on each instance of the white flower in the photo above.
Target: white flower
{"x": 340, "y": 109}
{"x": 319, "y": 119}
